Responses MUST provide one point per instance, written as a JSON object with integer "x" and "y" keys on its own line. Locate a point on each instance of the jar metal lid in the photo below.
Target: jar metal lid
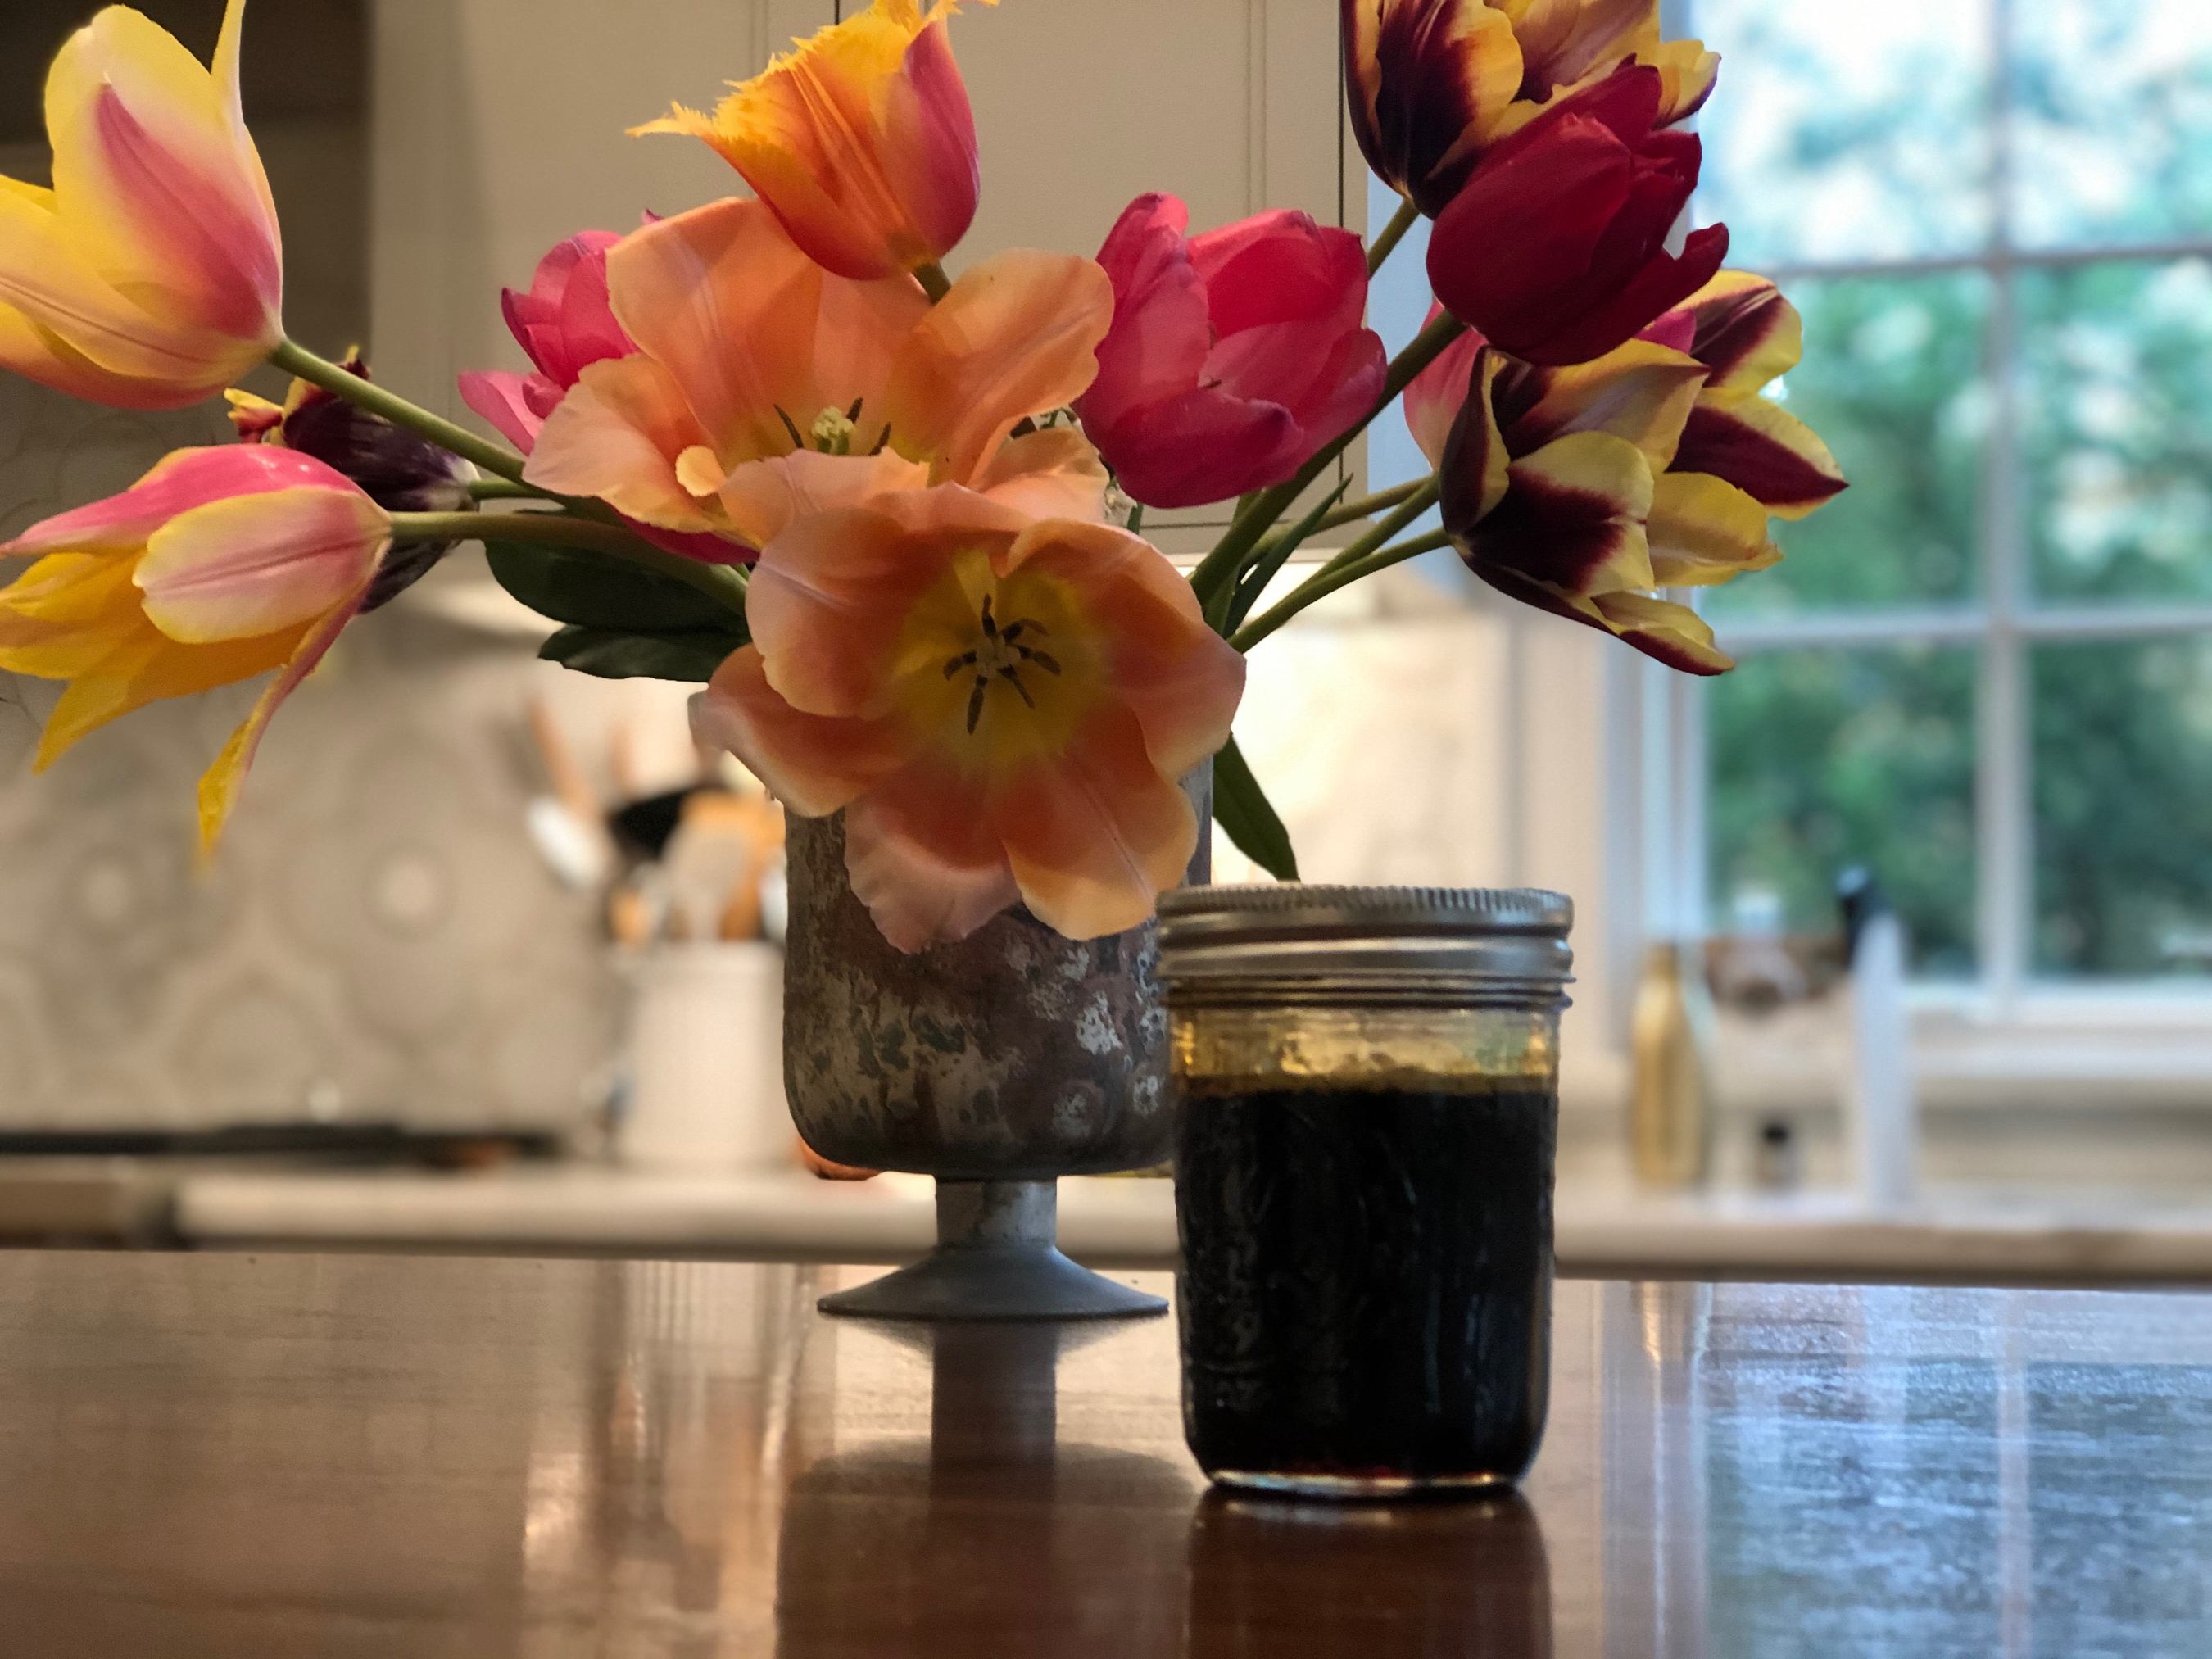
{"x": 1499, "y": 941}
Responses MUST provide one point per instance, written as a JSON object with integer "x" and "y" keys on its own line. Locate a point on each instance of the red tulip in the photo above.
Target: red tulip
{"x": 1555, "y": 249}
{"x": 1234, "y": 356}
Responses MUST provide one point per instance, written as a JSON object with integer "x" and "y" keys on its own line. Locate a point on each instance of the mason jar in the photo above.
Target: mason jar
{"x": 1367, "y": 1084}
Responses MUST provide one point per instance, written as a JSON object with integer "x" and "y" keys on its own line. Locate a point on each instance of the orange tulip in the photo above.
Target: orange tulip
{"x": 764, "y": 386}
{"x": 1001, "y": 706}
{"x": 861, "y": 140}
{"x": 151, "y": 275}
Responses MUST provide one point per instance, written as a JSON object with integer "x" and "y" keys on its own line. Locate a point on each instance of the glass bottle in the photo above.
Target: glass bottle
{"x": 1670, "y": 1113}
{"x": 1368, "y": 1089}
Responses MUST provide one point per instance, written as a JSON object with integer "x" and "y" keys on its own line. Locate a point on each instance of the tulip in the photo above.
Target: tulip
{"x": 1433, "y": 84}
{"x": 1550, "y": 479}
{"x": 566, "y": 324}
{"x": 861, "y": 141}
{"x": 1748, "y": 335}
{"x": 1555, "y": 250}
{"x": 218, "y": 565}
{"x": 151, "y": 275}
{"x": 1234, "y": 356}
{"x": 1000, "y": 706}
{"x": 764, "y": 386}
{"x": 401, "y": 472}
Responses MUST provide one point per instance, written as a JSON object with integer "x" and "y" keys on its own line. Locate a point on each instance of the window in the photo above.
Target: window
{"x": 1985, "y": 672}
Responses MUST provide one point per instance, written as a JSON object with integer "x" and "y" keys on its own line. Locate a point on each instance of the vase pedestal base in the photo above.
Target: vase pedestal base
{"x": 995, "y": 1259}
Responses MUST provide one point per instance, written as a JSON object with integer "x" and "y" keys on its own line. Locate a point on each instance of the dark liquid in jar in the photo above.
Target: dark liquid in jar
{"x": 1365, "y": 1294}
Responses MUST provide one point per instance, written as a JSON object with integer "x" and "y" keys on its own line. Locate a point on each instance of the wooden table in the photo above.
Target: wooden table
{"x": 254, "y": 1458}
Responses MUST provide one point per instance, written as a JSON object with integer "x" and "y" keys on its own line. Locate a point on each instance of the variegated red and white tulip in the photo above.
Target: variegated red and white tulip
{"x": 151, "y": 275}
{"x": 1434, "y": 83}
{"x": 218, "y": 565}
{"x": 1002, "y": 708}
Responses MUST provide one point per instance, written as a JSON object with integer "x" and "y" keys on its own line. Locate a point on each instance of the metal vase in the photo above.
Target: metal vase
{"x": 997, "y": 1065}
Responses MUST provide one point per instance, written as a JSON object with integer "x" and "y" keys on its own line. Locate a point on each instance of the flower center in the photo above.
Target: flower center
{"x": 832, "y": 433}
{"x": 1003, "y": 659}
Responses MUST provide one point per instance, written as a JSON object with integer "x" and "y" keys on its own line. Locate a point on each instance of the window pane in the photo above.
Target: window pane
{"x": 1846, "y": 131}
{"x": 1892, "y": 379}
{"x": 2117, "y": 407}
{"x": 2122, "y": 797}
{"x": 2112, "y": 110}
{"x": 1825, "y": 759}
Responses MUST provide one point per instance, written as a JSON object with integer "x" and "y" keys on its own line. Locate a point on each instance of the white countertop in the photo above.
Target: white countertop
{"x": 1965, "y": 1236}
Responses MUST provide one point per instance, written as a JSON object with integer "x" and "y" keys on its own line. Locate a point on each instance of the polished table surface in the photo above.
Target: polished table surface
{"x": 262, "y": 1456}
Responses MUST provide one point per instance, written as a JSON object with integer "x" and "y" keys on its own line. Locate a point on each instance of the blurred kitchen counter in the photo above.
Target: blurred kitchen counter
{"x": 1980, "y": 1236}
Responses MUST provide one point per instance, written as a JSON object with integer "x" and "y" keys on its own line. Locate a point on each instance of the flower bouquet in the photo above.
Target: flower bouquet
{"x": 891, "y": 520}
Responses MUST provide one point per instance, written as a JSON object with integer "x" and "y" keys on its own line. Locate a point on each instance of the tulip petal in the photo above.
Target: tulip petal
{"x": 1474, "y": 474}
{"x": 814, "y": 764}
{"x": 1053, "y": 474}
{"x": 1704, "y": 532}
{"x": 923, "y": 858}
{"x": 1765, "y": 451}
{"x": 1161, "y": 331}
{"x": 503, "y": 400}
{"x": 1641, "y": 392}
{"x": 832, "y": 596}
{"x": 762, "y": 498}
{"x": 47, "y": 278}
{"x": 1017, "y": 335}
{"x": 1743, "y": 330}
{"x": 1435, "y": 396}
{"x": 176, "y": 483}
{"x": 1427, "y": 81}
{"x": 929, "y": 149}
{"x": 257, "y": 564}
{"x": 1673, "y": 633}
{"x": 60, "y": 617}
{"x": 1094, "y": 834}
{"x": 1281, "y": 267}
{"x": 220, "y": 784}
{"x": 616, "y": 435}
{"x": 723, "y": 301}
{"x": 1180, "y": 680}
{"x": 1203, "y": 445}
{"x": 135, "y": 665}
{"x": 1573, "y": 517}
{"x": 155, "y": 175}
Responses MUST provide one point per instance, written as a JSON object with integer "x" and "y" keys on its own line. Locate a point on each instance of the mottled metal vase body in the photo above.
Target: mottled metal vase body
{"x": 1014, "y": 1056}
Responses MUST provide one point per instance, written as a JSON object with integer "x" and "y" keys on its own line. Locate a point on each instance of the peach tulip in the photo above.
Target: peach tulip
{"x": 764, "y": 386}
{"x": 1001, "y": 706}
{"x": 218, "y": 565}
{"x": 151, "y": 275}
{"x": 861, "y": 140}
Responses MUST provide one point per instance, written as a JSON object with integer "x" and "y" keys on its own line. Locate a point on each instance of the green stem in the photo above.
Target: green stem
{"x": 1351, "y": 512}
{"x": 297, "y": 360}
{"x": 1227, "y": 559}
{"x": 1330, "y": 582}
{"x": 506, "y": 490}
{"x": 724, "y": 584}
{"x": 1418, "y": 501}
{"x": 1393, "y": 233}
{"x": 934, "y": 282}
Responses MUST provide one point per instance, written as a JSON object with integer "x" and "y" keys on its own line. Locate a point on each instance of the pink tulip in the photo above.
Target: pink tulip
{"x": 1234, "y": 356}
{"x": 566, "y": 324}
{"x": 218, "y": 565}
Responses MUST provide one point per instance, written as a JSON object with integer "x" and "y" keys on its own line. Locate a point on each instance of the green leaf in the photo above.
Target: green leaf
{"x": 1241, "y": 808}
{"x": 1274, "y": 555}
{"x": 611, "y": 655}
{"x": 591, "y": 590}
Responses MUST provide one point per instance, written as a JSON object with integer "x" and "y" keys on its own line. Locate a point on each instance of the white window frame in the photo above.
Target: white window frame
{"x": 2005, "y": 620}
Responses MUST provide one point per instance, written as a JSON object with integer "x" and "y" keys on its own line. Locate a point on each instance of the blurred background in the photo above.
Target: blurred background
{"x": 1983, "y": 678}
